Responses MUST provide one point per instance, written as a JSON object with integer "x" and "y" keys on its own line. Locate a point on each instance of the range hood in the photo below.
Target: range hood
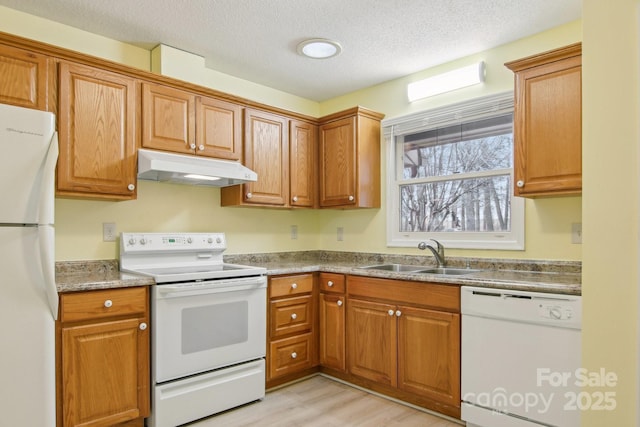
{"x": 191, "y": 170}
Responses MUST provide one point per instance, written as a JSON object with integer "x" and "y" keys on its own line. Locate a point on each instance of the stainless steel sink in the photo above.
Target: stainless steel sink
{"x": 447, "y": 271}
{"x": 399, "y": 268}
{"x": 404, "y": 268}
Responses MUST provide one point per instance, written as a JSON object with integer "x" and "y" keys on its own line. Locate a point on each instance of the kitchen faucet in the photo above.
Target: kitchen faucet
{"x": 438, "y": 253}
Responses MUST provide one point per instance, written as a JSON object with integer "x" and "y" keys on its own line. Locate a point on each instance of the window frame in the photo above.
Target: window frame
{"x": 462, "y": 112}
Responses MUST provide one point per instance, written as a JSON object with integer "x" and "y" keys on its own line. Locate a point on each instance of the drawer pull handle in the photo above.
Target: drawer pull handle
{"x": 294, "y": 286}
{"x": 108, "y": 303}
{"x": 329, "y": 283}
{"x": 339, "y": 303}
{"x": 294, "y": 316}
{"x": 294, "y": 355}
{"x": 143, "y": 326}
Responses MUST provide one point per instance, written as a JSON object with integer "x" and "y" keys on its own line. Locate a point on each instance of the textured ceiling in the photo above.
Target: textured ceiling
{"x": 256, "y": 39}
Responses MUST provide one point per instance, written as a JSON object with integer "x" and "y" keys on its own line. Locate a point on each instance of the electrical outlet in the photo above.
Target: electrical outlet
{"x": 294, "y": 232}
{"x": 108, "y": 231}
{"x": 576, "y": 233}
{"x": 340, "y": 234}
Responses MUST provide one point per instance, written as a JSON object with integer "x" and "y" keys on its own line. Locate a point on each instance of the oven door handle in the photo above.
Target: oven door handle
{"x": 211, "y": 287}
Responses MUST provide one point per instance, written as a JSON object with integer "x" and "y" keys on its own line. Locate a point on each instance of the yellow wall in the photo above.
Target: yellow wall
{"x": 163, "y": 207}
{"x": 610, "y": 203}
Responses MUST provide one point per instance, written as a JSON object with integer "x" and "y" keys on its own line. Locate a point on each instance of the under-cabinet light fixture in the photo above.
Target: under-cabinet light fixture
{"x": 201, "y": 177}
{"x": 319, "y": 48}
{"x": 446, "y": 82}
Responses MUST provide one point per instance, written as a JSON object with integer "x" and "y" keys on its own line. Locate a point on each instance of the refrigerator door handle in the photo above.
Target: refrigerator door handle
{"x": 46, "y": 240}
{"x": 47, "y": 189}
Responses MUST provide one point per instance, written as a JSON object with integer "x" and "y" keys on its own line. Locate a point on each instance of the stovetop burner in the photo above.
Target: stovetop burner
{"x": 179, "y": 257}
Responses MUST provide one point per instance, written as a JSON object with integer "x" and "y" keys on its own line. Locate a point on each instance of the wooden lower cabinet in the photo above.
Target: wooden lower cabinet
{"x": 292, "y": 349}
{"x": 404, "y": 337}
{"x": 331, "y": 328}
{"x": 332, "y": 331}
{"x": 103, "y": 358}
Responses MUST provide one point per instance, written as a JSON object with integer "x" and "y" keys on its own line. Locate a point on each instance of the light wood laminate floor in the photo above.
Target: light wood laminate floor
{"x": 323, "y": 402}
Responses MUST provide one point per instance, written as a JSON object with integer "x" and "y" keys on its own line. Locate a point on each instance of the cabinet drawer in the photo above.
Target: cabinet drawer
{"x": 98, "y": 304}
{"x": 291, "y": 315}
{"x": 290, "y": 355}
{"x": 332, "y": 282}
{"x": 291, "y": 285}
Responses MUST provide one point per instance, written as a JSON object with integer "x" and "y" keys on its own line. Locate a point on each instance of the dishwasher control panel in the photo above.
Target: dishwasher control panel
{"x": 555, "y": 311}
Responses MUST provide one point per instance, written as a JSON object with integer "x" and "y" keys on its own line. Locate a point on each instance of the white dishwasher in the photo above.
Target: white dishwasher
{"x": 520, "y": 358}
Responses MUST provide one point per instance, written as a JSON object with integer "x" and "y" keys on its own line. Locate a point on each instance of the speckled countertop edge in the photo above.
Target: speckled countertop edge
{"x": 530, "y": 275}
{"x": 75, "y": 276}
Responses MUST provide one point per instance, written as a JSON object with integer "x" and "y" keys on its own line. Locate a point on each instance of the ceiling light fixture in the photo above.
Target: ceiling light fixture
{"x": 319, "y": 48}
{"x": 446, "y": 82}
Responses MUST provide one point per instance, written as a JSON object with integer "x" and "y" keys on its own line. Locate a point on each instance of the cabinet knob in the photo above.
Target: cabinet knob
{"x": 131, "y": 187}
{"x": 294, "y": 355}
{"x": 351, "y": 198}
{"x": 295, "y": 198}
{"x": 143, "y": 326}
{"x": 192, "y": 146}
{"x": 329, "y": 283}
{"x": 294, "y": 316}
{"x": 201, "y": 147}
{"x": 391, "y": 312}
{"x": 339, "y": 303}
{"x": 249, "y": 195}
{"x": 398, "y": 313}
{"x": 108, "y": 303}
{"x": 520, "y": 184}
{"x": 294, "y": 286}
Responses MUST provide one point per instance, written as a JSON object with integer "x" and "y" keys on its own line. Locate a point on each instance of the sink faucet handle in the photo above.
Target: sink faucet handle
{"x": 422, "y": 246}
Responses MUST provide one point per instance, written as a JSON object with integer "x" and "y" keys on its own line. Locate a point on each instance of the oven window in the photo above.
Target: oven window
{"x": 214, "y": 326}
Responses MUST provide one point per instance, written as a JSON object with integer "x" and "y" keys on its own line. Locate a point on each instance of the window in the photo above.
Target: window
{"x": 450, "y": 177}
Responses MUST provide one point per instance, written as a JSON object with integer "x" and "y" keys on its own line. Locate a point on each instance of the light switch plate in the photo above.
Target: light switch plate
{"x": 576, "y": 233}
{"x": 294, "y": 232}
{"x": 340, "y": 234}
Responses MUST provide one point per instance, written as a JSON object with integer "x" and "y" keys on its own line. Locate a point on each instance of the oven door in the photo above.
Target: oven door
{"x": 201, "y": 326}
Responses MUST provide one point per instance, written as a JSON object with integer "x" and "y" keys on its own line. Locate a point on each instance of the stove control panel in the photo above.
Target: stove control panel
{"x": 172, "y": 242}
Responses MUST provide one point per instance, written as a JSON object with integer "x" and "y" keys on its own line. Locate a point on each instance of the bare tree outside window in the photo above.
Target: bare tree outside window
{"x": 458, "y": 178}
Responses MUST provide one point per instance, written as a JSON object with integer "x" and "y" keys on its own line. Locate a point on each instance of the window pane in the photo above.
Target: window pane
{"x": 469, "y": 147}
{"x": 469, "y": 205}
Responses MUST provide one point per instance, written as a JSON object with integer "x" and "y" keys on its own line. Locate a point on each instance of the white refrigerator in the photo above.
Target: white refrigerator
{"x": 28, "y": 296}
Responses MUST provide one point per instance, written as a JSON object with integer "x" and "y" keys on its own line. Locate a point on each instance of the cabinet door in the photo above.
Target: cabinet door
{"x": 332, "y": 331}
{"x": 218, "y": 129}
{"x": 337, "y": 163}
{"x": 168, "y": 119}
{"x": 105, "y": 372}
{"x": 267, "y": 153}
{"x": 429, "y": 354}
{"x": 372, "y": 341}
{"x": 24, "y": 78}
{"x": 303, "y": 148}
{"x": 548, "y": 129}
{"x": 97, "y": 133}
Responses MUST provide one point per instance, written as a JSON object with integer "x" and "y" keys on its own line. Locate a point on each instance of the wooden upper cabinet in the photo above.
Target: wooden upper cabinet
{"x": 25, "y": 78}
{"x": 168, "y": 119}
{"x": 218, "y": 128}
{"x": 548, "y": 123}
{"x": 303, "y": 149}
{"x": 266, "y": 151}
{"x": 349, "y": 175}
{"x": 97, "y": 133}
{"x": 182, "y": 122}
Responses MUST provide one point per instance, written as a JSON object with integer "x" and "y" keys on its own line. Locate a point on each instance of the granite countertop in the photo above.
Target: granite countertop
{"x": 74, "y": 276}
{"x": 563, "y": 277}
